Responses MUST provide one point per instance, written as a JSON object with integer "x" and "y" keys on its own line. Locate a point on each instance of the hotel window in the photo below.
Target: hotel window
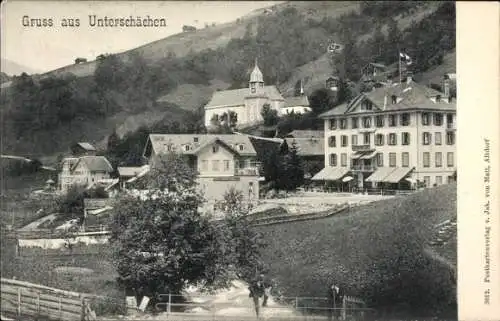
{"x": 426, "y": 139}
{"x": 204, "y": 165}
{"x": 425, "y": 119}
{"x": 332, "y": 141}
{"x": 240, "y": 147}
{"x": 355, "y": 122}
{"x": 405, "y": 138}
{"x": 379, "y": 139}
{"x": 450, "y": 138}
{"x": 437, "y": 138}
{"x": 366, "y": 138}
{"x": 380, "y": 159}
{"x": 438, "y": 98}
{"x": 439, "y": 180}
{"x": 354, "y": 140}
{"x": 215, "y": 165}
{"x": 393, "y": 121}
{"x": 427, "y": 181}
{"x": 333, "y": 159}
{"x": 438, "y": 119}
{"x": 449, "y": 159}
{"x": 379, "y": 121}
{"x": 439, "y": 159}
{"x": 405, "y": 119}
{"x": 343, "y": 123}
{"x": 449, "y": 119}
{"x": 427, "y": 159}
{"x": 394, "y": 99}
{"x": 343, "y": 159}
{"x": 333, "y": 124}
{"x": 405, "y": 159}
{"x": 215, "y": 148}
{"x": 450, "y": 179}
{"x": 367, "y": 122}
{"x": 392, "y": 159}
{"x": 343, "y": 140}
{"x": 226, "y": 165}
{"x": 392, "y": 139}
{"x": 252, "y": 86}
{"x": 366, "y": 105}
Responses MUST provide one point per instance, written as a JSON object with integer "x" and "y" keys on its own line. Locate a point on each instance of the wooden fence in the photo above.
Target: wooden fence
{"x": 24, "y": 299}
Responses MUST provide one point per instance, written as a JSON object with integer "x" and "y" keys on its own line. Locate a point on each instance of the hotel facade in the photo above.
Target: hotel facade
{"x": 397, "y": 136}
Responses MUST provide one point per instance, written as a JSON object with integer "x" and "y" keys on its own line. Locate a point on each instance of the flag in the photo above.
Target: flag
{"x": 404, "y": 57}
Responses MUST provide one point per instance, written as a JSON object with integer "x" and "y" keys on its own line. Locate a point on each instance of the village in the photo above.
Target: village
{"x": 319, "y": 197}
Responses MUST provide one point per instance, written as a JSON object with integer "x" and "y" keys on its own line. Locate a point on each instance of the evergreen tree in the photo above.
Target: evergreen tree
{"x": 292, "y": 170}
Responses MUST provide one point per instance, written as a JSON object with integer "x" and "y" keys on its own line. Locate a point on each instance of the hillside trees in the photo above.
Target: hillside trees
{"x": 269, "y": 115}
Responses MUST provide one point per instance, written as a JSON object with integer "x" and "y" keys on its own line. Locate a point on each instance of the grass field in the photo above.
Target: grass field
{"x": 375, "y": 251}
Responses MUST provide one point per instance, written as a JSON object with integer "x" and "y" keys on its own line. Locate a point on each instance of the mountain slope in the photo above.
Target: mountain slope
{"x": 12, "y": 68}
{"x": 377, "y": 251}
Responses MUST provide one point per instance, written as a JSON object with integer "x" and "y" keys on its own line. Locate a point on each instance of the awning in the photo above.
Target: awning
{"x": 368, "y": 155}
{"x": 364, "y": 155}
{"x": 398, "y": 174}
{"x": 331, "y": 174}
{"x": 380, "y": 174}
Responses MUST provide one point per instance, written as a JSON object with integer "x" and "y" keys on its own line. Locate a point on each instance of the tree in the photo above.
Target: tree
{"x": 244, "y": 240}
{"x": 71, "y": 204}
{"x": 321, "y": 100}
{"x": 292, "y": 170}
{"x": 269, "y": 115}
{"x": 161, "y": 241}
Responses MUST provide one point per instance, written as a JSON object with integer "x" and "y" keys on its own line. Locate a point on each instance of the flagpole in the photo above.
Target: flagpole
{"x": 399, "y": 64}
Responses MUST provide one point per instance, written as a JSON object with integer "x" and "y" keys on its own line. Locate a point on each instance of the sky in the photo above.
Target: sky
{"x": 43, "y": 49}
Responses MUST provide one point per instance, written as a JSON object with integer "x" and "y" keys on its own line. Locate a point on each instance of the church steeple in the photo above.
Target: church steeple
{"x": 256, "y": 79}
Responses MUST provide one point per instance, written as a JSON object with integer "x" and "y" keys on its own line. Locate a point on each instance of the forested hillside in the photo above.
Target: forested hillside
{"x": 91, "y": 108}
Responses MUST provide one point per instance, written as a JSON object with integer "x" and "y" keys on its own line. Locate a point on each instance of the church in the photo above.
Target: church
{"x": 246, "y": 103}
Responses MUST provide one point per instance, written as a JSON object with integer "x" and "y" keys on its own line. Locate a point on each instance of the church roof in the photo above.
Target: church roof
{"x": 236, "y": 97}
{"x": 297, "y": 101}
{"x": 256, "y": 75}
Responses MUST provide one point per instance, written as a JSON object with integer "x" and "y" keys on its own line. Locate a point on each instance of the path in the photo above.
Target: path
{"x": 34, "y": 225}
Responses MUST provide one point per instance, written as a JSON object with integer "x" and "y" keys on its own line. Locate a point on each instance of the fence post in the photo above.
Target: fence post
{"x": 169, "y": 308}
{"x": 19, "y": 301}
{"x": 297, "y": 303}
{"x": 38, "y": 303}
{"x": 82, "y": 316}
{"x": 60, "y": 308}
{"x": 344, "y": 306}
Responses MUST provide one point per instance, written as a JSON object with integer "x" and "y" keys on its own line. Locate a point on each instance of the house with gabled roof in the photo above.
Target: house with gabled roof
{"x": 246, "y": 103}
{"x": 395, "y": 136}
{"x": 83, "y": 148}
{"x": 222, "y": 161}
{"x": 84, "y": 171}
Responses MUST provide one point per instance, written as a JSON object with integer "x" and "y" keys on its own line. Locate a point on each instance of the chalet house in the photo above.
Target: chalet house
{"x": 247, "y": 102}
{"x": 84, "y": 171}
{"x": 83, "y": 149}
{"x": 222, "y": 161}
{"x": 396, "y": 136}
{"x": 296, "y": 105}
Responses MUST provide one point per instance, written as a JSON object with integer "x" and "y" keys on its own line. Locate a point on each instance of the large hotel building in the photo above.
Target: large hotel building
{"x": 396, "y": 136}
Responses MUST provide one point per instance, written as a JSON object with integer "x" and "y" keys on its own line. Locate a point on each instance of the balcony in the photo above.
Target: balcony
{"x": 363, "y": 168}
{"x": 247, "y": 171}
{"x": 361, "y": 148}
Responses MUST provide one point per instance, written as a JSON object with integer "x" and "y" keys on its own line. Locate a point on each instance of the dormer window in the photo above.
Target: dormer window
{"x": 195, "y": 139}
{"x": 438, "y": 98}
{"x": 215, "y": 148}
{"x": 240, "y": 147}
{"x": 366, "y": 105}
{"x": 394, "y": 99}
{"x": 187, "y": 147}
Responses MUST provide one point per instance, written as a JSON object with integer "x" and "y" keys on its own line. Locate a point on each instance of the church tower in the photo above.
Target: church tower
{"x": 256, "y": 97}
{"x": 256, "y": 83}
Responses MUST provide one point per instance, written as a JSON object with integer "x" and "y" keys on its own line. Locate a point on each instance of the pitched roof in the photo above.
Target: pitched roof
{"x": 236, "y": 97}
{"x": 86, "y": 146}
{"x": 256, "y": 75}
{"x": 308, "y": 146}
{"x": 414, "y": 96}
{"x": 306, "y": 134}
{"x": 190, "y": 144}
{"x": 296, "y": 101}
{"x": 95, "y": 163}
{"x": 131, "y": 170}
